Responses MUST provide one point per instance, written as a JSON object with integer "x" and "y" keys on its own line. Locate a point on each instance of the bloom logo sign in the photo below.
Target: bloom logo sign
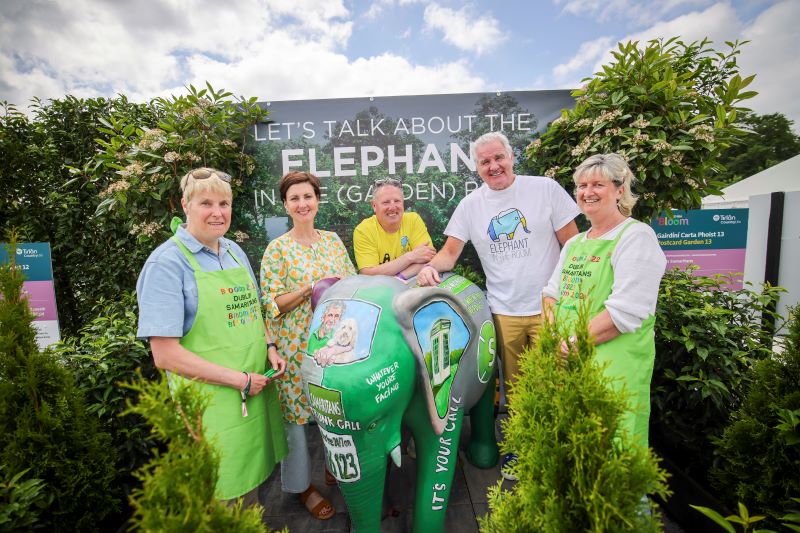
{"x": 712, "y": 239}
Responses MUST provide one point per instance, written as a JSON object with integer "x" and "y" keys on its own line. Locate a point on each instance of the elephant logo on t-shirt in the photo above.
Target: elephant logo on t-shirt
{"x": 506, "y": 223}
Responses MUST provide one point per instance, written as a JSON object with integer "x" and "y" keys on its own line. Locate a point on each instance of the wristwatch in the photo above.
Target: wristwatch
{"x": 272, "y": 345}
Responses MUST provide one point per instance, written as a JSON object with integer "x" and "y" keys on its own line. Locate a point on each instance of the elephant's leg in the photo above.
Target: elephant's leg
{"x": 511, "y": 236}
{"x": 437, "y": 456}
{"x": 364, "y": 497}
{"x": 482, "y": 450}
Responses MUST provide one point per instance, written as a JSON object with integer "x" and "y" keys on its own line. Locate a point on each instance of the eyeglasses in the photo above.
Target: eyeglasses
{"x": 387, "y": 181}
{"x": 205, "y": 173}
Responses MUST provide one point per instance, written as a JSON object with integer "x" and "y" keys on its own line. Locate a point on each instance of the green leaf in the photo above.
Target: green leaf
{"x": 716, "y": 517}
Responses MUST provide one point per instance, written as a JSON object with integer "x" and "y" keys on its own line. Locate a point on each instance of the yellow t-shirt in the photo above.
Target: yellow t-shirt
{"x": 373, "y": 246}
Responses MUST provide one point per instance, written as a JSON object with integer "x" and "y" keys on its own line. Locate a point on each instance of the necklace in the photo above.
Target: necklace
{"x": 306, "y": 240}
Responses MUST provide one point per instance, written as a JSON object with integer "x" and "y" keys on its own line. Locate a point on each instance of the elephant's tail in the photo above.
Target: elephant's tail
{"x": 492, "y": 233}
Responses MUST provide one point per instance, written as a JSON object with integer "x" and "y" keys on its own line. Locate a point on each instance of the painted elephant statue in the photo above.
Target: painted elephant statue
{"x": 382, "y": 353}
{"x": 506, "y": 223}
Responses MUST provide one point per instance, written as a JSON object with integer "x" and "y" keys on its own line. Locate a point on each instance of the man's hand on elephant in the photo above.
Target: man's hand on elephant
{"x": 428, "y": 276}
{"x": 423, "y": 253}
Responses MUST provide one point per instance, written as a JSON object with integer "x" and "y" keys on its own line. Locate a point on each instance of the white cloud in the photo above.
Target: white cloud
{"x": 636, "y": 10}
{"x": 275, "y": 50}
{"x": 463, "y": 29}
{"x": 587, "y": 54}
{"x": 772, "y": 56}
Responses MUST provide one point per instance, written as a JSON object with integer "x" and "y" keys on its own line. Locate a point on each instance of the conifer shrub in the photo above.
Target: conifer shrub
{"x": 44, "y": 427}
{"x": 102, "y": 356}
{"x": 177, "y": 492}
{"x": 575, "y": 473}
{"x": 760, "y": 449}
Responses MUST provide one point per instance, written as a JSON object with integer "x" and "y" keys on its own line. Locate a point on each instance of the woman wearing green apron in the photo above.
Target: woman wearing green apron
{"x": 616, "y": 267}
{"x": 200, "y": 309}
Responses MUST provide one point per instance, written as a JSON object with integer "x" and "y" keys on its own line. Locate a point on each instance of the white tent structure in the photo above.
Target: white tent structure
{"x": 772, "y": 198}
{"x": 782, "y": 177}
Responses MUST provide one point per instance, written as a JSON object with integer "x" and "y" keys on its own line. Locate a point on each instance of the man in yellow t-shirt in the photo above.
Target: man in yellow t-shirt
{"x": 391, "y": 242}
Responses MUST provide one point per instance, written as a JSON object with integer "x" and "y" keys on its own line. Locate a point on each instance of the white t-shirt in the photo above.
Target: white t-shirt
{"x": 514, "y": 233}
{"x": 638, "y": 264}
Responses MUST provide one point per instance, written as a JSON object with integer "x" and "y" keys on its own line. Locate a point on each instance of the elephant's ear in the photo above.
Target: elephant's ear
{"x": 438, "y": 329}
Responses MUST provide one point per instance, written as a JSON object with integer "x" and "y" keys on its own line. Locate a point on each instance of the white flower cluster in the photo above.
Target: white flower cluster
{"x": 674, "y": 158}
{"x": 551, "y": 172}
{"x": 583, "y": 146}
{"x": 703, "y": 132}
{"x": 191, "y": 156}
{"x": 227, "y": 143}
{"x": 662, "y": 146}
{"x": 240, "y": 236}
{"x": 152, "y": 139}
{"x": 608, "y": 115}
{"x": 582, "y": 123}
{"x": 171, "y": 157}
{"x": 145, "y": 228}
{"x": 134, "y": 169}
{"x": 194, "y": 111}
{"x": 121, "y": 185}
{"x": 534, "y": 146}
{"x": 640, "y": 123}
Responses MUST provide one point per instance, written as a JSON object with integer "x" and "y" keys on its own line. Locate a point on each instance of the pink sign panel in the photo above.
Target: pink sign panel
{"x": 710, "y": 262}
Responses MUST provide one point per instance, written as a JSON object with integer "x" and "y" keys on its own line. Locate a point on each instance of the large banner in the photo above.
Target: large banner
{"x": 33, "y": 260}
{"x": 712, "y": 239}
{"x": 421, "y": 140}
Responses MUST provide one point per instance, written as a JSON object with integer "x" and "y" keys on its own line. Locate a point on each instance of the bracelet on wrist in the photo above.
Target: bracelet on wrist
{"x": 244, "y": 392}
{"x": 400, "y": 276}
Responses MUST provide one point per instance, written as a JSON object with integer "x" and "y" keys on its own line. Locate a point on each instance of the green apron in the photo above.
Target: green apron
{"x": 229, "y": 331}
{"x": 587, "y": 274}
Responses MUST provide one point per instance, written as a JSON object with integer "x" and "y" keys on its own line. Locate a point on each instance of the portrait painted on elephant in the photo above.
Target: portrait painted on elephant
{"x": 442, "y": 336}
{"x": 343, "y": 332}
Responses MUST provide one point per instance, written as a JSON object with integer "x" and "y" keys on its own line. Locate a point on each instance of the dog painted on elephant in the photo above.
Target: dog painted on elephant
{"x": 423, "y": 357}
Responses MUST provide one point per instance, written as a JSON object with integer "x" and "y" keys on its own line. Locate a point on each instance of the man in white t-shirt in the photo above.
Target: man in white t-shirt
{"x": 517, "y": 225}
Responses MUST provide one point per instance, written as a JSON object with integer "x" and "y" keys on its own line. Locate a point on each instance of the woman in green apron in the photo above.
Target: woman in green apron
{"x": 616, "y": 267}
{"x": 199, "y": 306}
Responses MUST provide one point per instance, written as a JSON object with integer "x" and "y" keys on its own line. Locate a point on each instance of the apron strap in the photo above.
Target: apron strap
{"x": 190, "y": 256}
{"x": 628, "y": 225}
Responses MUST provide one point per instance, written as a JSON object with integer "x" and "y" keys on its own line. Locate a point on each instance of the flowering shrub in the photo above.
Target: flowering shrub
{"x": 670, "y": 108}
{"x": 141, "y": 164}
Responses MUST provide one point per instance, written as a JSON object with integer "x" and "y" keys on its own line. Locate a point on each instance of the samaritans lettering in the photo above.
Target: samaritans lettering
{"x": 242, "y": 304}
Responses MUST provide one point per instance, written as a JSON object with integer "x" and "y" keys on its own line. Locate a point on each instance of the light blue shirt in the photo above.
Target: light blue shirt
{"x": 166, "y": 289}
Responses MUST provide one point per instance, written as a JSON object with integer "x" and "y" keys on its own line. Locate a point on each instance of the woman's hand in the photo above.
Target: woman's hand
{"x": 276, "y": 362}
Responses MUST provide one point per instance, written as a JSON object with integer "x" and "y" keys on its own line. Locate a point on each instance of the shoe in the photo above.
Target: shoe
{"x": 316, "y": 504}
{"x": 509, "y": 460}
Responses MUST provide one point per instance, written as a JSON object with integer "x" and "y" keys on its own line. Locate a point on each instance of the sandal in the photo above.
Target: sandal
{"x": 316, "y": 504}
{"x": 329, "y": 479}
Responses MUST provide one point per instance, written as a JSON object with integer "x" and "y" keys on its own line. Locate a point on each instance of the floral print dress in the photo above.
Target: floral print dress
{"x": 287, "y": 266}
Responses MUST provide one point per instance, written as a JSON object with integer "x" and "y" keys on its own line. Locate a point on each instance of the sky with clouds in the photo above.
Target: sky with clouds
{"x": 305, "y": 49}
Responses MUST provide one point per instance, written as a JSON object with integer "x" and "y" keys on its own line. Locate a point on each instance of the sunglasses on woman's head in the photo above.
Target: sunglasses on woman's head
{"x": 205, "y": 173}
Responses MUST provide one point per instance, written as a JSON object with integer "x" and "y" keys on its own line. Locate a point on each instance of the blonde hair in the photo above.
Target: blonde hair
{"x": 214, "y": 182}
{"x": 614, "y": 168}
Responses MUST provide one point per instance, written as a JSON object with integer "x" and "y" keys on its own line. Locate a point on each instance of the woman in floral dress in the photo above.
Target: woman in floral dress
{"x": 289, "y": 268}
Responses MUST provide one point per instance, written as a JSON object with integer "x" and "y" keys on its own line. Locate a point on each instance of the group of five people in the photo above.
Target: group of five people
{"x": 202, "y": 310}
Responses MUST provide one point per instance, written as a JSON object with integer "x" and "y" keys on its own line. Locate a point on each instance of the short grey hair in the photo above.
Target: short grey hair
{"x": 333, "y": 305}
{"x": 614, "y": 168}
{"x": 486, "y": 138}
